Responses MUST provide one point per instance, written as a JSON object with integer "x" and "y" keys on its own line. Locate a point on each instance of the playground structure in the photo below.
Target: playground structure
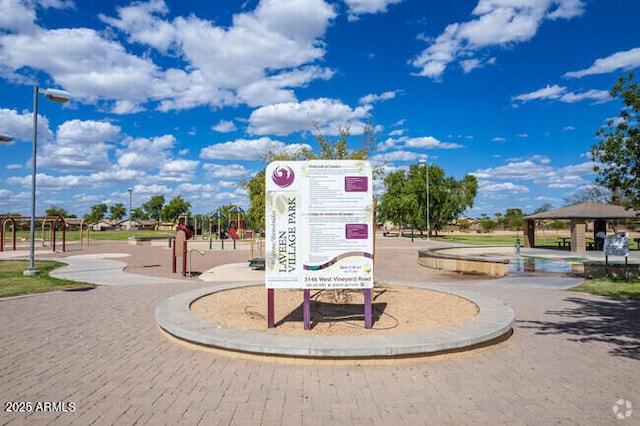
{"x": 220, "y": 226}
{"x": 184, "y": 244}
{"x": 52, "y": 221}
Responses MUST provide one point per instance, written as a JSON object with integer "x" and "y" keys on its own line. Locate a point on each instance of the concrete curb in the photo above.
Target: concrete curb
{"x": 495, "y": 320}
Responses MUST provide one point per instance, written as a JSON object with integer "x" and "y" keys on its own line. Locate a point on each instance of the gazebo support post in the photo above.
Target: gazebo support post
{"x": 578, "y": 231}
{"x": 529, "y": 233}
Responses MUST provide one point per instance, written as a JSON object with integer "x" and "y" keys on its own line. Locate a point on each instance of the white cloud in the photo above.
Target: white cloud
{"x": 225, "y": 171}
{"x": 285, "y": 118}
{"x": 143, "y": 154}
{"x": 626, "y": 60}
{"x": 369, "y": 99}
{"x": 111, "y": 73}
{"x": 397, "y": 155}
{"x": 247, "y": 149}
{"x": 267, "y": 52}
{"x": 429, "y": 142}
{"x": 598, "y": 96}
{"x": 422, "y": 142}
{"x": 561, "y": 94}
{"x": 19, "y": 126}
{"x": 538, "y": 170}
{"x": 498, "y": 23}
{"x": 548, "y": 92}
{"x": 21, "y": 16}
{"x": 488, "y": 187}
{"x": 177, "y": 170}
{"x": 141, "y": 21}
{"x": 361, "y": 7}
{"x": 80, "y": 145}
{"x": 224, "y": 126}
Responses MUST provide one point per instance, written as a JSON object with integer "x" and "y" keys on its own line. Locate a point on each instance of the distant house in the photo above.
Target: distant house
{"x": 149, "y": 225}
{"x": 73, "y": 223}
{"x": 103, "y": 225}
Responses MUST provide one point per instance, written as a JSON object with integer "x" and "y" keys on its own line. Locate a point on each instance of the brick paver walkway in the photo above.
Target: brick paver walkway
{"x": 572, "y": 356}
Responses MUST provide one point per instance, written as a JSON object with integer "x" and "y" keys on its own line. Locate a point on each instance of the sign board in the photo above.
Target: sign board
{"x": 179, "y": 243}
{"x": 319, "y": 224}
{"x": 617, "y": 245}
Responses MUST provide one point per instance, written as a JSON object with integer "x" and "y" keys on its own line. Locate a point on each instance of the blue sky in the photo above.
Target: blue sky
{"x": 185, "y": 98}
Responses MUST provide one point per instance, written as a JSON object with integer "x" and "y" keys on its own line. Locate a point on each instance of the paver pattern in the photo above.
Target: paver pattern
{"x": 571, "y": 357}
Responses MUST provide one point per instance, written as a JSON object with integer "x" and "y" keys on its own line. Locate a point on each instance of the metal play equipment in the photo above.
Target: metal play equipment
{"x": 180, "y": 249}
{"x": 53, "y": 227}
{"x": 236, "y": 227}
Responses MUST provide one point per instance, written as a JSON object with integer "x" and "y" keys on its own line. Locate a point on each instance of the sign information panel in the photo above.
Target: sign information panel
{"x": 617, "y": 245}
{"x": 319, "y": 224}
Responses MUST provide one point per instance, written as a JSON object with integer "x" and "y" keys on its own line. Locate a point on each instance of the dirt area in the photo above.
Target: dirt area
{"x": 396, "y": 309}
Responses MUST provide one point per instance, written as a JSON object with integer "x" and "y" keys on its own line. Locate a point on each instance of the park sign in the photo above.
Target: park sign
{"x": 617, "y": 245}
{"x": 319, "y": 224}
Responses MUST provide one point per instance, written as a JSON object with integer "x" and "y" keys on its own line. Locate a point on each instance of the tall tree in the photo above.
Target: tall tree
{"x": 154, "y": 206}
{"x": 98, "y": 212}
{"x": 117, "y": 211}
{"x": 56, "y": 211}
{"x": 590, "y": 194}
{"x": 405, "y": 197}
{"x": 514, "y": 219}
{"x": 139, "y": 214}
{"x": 617, "y": 154}
{"x": 400, "y": 200}
{"x": 175, "y": 208}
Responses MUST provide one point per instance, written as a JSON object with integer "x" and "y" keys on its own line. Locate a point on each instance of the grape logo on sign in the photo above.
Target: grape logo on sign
{"x": 283, "y": 176}
{"x": 622, "y": 409}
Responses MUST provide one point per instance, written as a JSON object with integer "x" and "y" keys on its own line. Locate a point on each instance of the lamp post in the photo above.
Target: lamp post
{"x": 130, "y": 192}
{"x": 56, "y": 96}
{"x": 426, "y": 164}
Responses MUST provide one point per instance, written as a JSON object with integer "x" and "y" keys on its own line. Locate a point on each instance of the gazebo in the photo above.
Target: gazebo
{"x": 579, "y": 215}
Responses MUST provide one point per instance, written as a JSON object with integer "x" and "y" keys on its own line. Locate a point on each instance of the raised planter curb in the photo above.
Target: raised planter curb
{"x": 493, "y": 322}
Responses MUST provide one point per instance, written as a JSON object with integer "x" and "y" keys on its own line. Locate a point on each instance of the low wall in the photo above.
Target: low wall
{"x": 486, "y": 260}
{"x": 593, "y": 269}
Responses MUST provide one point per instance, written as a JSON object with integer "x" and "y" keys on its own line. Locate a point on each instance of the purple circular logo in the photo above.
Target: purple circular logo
{"x": 283, "y": 176}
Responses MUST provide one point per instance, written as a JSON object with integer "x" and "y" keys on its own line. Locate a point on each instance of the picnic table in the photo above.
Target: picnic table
{"x": 565, "y": 243}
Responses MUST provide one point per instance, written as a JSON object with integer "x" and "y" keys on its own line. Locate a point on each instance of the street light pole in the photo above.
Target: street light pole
{"x": 426, "y": 164}
{"x": 56, "y": 96}
{"x": 130, "y": 192}
{"x": 428, "y": 215}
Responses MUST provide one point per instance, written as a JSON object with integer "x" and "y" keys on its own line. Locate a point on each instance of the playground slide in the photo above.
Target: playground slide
{"x": 233, "y": 234}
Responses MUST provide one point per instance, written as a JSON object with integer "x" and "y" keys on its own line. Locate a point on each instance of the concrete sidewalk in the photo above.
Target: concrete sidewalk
{"x": 98, "y": 354}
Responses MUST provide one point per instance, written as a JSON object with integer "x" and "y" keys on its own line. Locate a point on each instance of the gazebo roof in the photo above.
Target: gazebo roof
{"x": 588, "y": 211}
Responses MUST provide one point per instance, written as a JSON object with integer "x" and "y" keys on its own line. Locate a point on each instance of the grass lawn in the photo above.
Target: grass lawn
{"x": 609, "y": 287}
{"x": 14, "y": 283}
{"x": 480, "y": 239}
{"x": 93, "y": 235}
{"x": 497, "y": 239}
